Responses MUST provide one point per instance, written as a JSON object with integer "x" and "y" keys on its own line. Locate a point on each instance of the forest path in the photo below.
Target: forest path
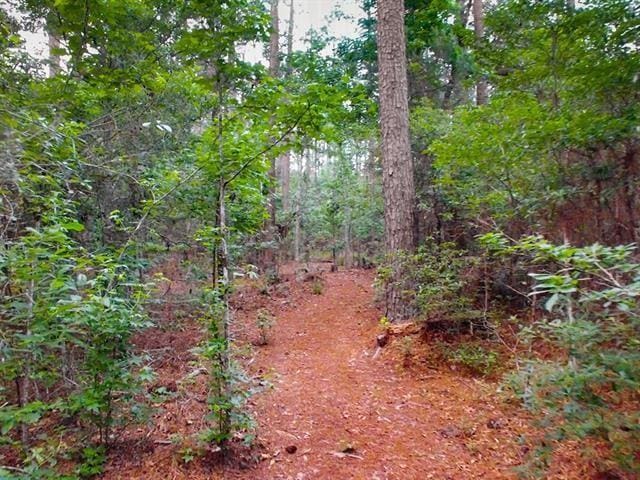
{"x": 349, "y": 413}
{"x": 352, "y": 414}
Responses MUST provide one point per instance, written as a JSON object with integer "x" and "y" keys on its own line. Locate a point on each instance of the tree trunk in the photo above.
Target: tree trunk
{"x": 285, "y": 160}
{"x": 290, "y": 37}
{"x": 274, "y": 41}
{"x": 372, "y": 183}
{"x": 482, "y": 93}
{"x": 348, "y": 247}
{"x": 54, "y": 56}
{"x": 397, "y": 164}
{"x": 297, "y": 244}
{"x": 269, "y": 252}
{"x": 220, "y": 379}
{"x": 285, "y": 180}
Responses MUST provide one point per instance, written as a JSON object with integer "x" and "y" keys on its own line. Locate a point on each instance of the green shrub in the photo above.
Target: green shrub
{"x": 436, "y": 282}
{"x": 317, "y": 287}
{"x": 67, "y": 317}
{"x": 475, "y": 358}
{"x": 590, "y": 389}
{"x": 265, "y": 322}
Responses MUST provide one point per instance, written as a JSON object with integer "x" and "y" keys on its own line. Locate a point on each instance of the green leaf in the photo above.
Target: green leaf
{"x": 551, "y": 302}
{"x": 72, "y": 226}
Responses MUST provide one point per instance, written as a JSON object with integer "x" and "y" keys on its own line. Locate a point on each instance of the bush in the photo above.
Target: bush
{"x": 590, "y": 390}
{"x": 474, "y": 358}
{"x": 317, "y": 287}
{"x": 265, "y": 322}
{"x": 66, "y": 316}
{"x": 436, "y": 282}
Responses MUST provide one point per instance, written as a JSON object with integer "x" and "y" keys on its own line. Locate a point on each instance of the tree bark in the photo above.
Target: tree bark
{"x": 297, "y": 245}
{"x": 274, "y": 41}
{"x": 482, "y": 93}
{"x": 269, "y": 264}
{"x": 397, "y": 163}
{"x": 285, "y": 181}
{"x": 348, "y": 247}
{"x": 290, "y": 36}
{"x": 285, "y": 160}
{"x": 53, "y": 42}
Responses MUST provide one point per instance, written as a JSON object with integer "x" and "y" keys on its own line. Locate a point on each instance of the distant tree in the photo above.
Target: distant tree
{"x": 482, "y": 93}
{"x": 268, "y": 257}
{"x": 285, "y": 160}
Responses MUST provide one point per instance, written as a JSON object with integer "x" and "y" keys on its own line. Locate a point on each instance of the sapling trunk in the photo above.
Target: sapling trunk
{"x": 22, "y": 387}
{"x": 225, "y": 421}
{"x": 348, "y": 247}
{"x": 22, "y": 382}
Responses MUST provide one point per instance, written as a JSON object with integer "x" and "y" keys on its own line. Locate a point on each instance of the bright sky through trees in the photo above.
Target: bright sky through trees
{"x": 309, "y": 14}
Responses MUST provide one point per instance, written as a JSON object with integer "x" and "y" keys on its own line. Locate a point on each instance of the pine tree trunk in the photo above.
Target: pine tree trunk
{"x": 297, "y": 245}
{"x": 285, "y": 179}
{"x": 285, "y": 160}
{"x": 397, "y": 164}
{"x": 269, "y": 264}
{"x": 274, "y": 41}
{"x": 482, "y": 93}
{"x": 54, "y": 57}
{"x": 290, "y": 36}
{"x": 373, "y": 152}
{"x": 348, "y": 247}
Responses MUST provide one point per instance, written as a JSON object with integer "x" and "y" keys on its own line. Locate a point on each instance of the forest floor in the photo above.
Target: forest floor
{"x": 330, "y": 405}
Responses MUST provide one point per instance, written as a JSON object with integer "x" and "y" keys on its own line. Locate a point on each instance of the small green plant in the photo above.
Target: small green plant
{"x": 384, "y": 323}
{"x": 187, "y": 455}
{"x": 406, "y": 348}
{"x": 265, "y": 322}
{"x": 317, "y": 287}
{"x": 92, "y": 462}
{"x": 187, "y": 449}
{"x": 475, "y": 358}
{"x": 161, "y": 395}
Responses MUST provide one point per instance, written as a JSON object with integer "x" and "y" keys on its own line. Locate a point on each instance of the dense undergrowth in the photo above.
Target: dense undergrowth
{"x": 573, "y": 347}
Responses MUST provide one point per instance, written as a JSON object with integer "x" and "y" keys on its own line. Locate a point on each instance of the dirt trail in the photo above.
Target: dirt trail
{"x": 331, "y": 395}
{"x": 350, "y": 414}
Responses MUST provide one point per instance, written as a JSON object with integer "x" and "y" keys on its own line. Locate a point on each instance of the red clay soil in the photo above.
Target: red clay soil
{"x": 334, "y": 409}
